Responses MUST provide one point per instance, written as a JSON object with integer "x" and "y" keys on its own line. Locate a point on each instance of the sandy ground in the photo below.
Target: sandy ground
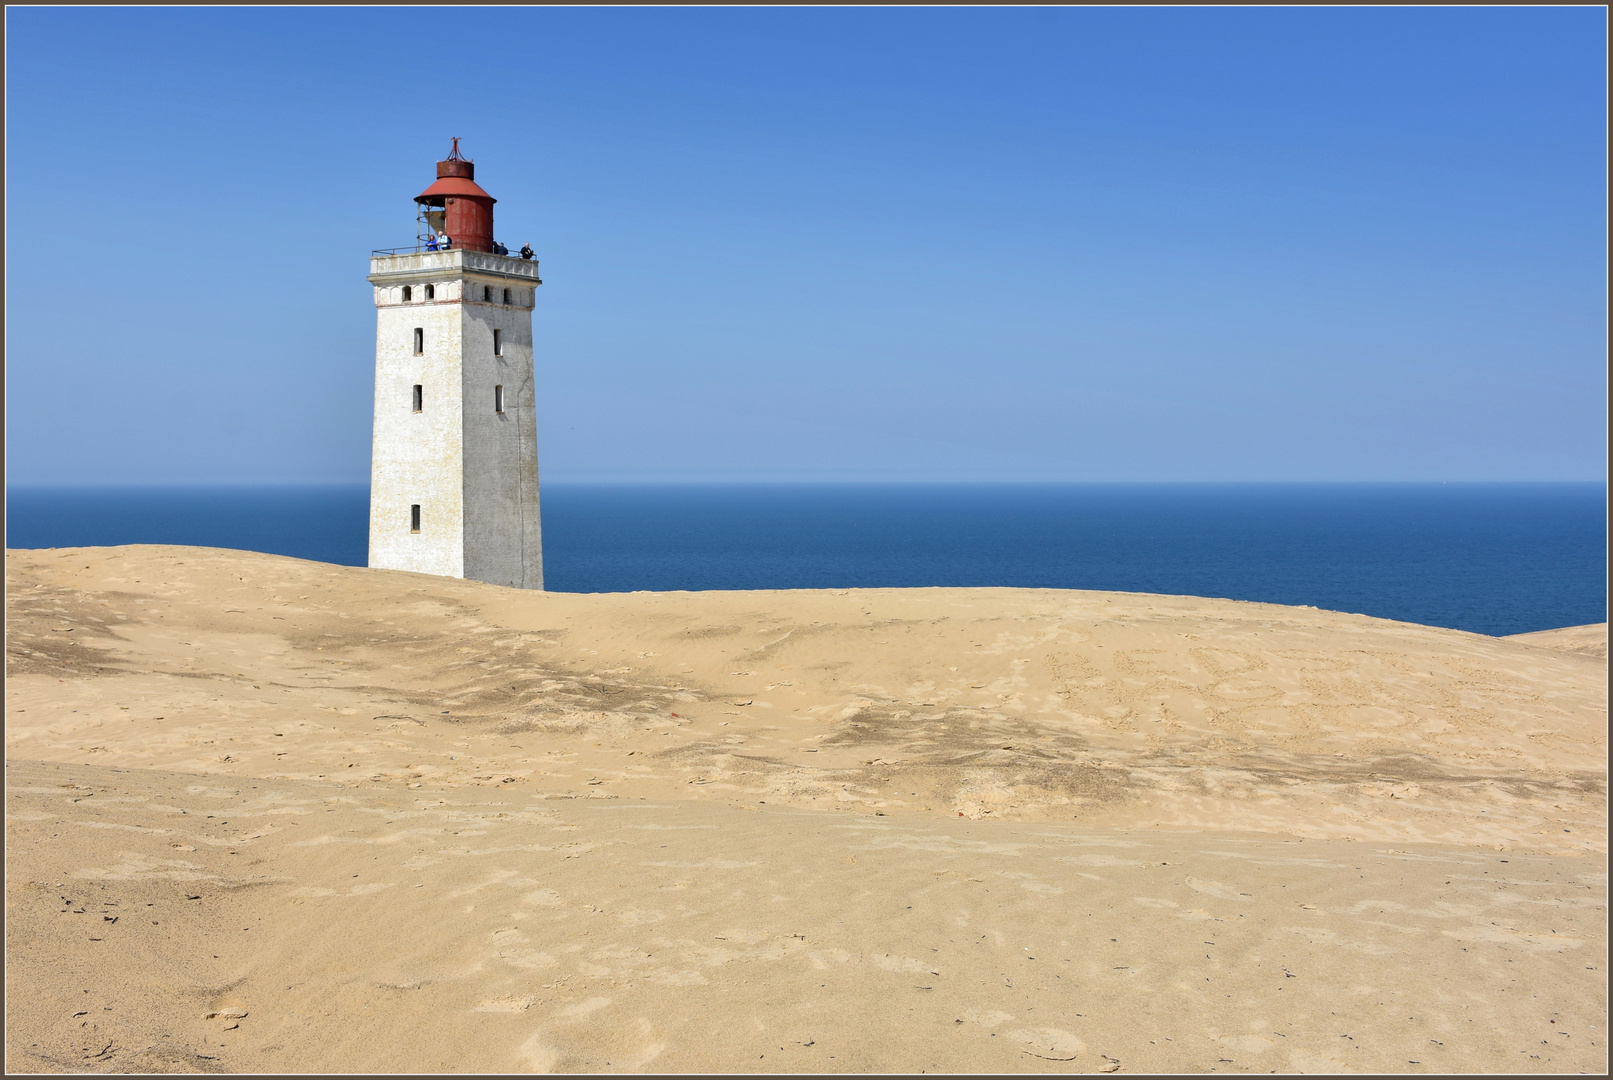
{"x": 1585, "y": 640}
{"x": 264, "y": 814}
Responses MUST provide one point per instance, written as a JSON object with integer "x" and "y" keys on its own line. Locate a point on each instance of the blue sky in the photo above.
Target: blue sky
{"x": 801, "y": 244}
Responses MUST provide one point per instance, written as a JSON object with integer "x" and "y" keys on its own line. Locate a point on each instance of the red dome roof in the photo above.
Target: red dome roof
{"x": 453, "y": 185}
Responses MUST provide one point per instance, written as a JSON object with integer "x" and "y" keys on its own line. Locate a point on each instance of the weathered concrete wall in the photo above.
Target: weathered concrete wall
{"x": 417, "y": 457}
{"x": 472, "y": 469}
{"x": 502, "y": 542}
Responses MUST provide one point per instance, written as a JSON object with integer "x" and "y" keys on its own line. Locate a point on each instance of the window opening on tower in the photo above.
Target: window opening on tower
{"x": 487, "y": 294}
{"x": 414, "y": 518}
{"x": 498, "y": 400}
{"x": 498, "y": 343}
{"x": 506, "y": 296}
{"x": 419, "y": 398}
{"x": 431, "y": 292}
{"x": 419, "y": 340}
{"x": 408, "y": 294}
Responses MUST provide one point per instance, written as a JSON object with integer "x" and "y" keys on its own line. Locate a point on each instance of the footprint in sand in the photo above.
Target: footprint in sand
{"x": 1049, "y": 1043}
{"x": 678, "y": 978}
{"x": 530, "y": 961}
{"x": 822, "y": 958}
{"x": 537, "y": 1055}
{"x": 1098, "y": 860}
{"x": 1216, "y": 889}
{"x": 542, "y": 898}
{"x": 647, "y": 1054}
{"x": 311, "y": 891}
{"x": 898, "y": 963}
{"x": 1505, "y": 935}
{"x": 227, "y": 1014}
{"x": 1031, "y": 883}
{"x": 506, "y": 1004}
{"x": 583, "y": 1009}
{"x": 1302, "y": 1061}
{"x": 136, "y": 867}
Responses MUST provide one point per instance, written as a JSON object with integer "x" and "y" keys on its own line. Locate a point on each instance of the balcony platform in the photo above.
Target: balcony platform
{"x": 408, "y": 266}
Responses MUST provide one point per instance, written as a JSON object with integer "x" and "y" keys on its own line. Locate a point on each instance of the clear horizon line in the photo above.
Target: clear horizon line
{"x": 799, "y": 482}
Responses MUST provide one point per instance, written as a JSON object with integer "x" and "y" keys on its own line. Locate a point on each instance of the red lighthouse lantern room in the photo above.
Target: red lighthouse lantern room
{"x": 456, "y": 207}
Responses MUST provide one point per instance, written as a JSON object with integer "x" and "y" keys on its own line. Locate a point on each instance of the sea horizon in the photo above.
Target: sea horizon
{"x": 1492, "y": 557}
{"x": 30, "y": 485}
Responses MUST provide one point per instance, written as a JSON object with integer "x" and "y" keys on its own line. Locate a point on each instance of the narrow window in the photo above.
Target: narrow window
{"x": 487, "y": 294}
{"x": 414, "y": 518}
{"x": 408, "y": 294}
{"x": 498, "y": 343}
{"x": 419, "y": 398}
{"x": 498, "y": 399}
{"x": 431, "y": 292}
{"x": 506, "y": 297}
{"x": 419, "y": 340}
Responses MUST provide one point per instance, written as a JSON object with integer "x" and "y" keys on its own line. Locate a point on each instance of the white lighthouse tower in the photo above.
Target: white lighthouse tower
{"x": 454, "y": 467}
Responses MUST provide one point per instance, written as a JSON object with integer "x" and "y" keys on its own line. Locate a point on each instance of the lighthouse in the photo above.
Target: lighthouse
{"x": 454, "y": 463}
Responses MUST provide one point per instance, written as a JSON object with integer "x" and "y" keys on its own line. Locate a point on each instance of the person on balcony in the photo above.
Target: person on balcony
{"x": 431, "y": 242}
{"x": 526, "y": 251}
{"x": 447, "y": 241}
{"x": 500, "y": 249}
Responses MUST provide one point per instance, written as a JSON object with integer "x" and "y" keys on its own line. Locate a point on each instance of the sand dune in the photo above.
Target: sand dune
{"x": 434, "y": 824}
{"x": 1588, "y": 640}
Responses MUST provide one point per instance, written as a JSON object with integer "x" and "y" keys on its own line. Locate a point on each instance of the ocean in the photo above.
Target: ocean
{"x": 1488, "y": 558}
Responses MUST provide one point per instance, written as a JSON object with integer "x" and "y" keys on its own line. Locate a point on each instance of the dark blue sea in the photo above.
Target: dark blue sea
{"x": 1490, "y": 558}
